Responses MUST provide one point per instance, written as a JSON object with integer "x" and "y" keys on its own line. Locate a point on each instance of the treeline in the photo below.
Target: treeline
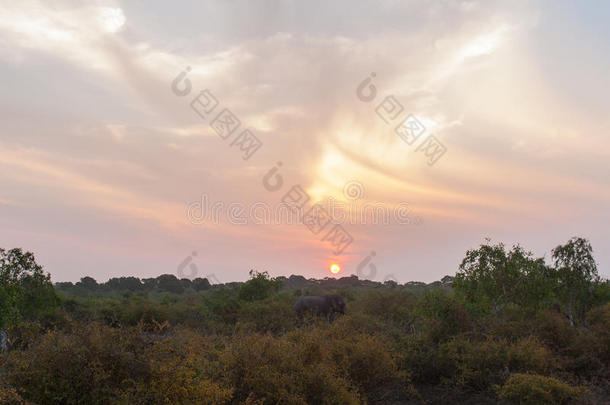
{"x": 171, "y": 284}
{"x": 509, "y": 328}
{"x": 165, "y": 282}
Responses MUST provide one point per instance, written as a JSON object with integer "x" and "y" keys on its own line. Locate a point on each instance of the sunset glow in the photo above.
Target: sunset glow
{"x": 217, "y": 164}
{"x": 118, "y": 146}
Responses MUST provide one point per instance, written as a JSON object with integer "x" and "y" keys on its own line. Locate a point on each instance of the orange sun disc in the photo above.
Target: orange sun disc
{"x": 335, "y": 268}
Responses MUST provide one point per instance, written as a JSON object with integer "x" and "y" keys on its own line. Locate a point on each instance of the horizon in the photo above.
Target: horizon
{"x": 330, "y": 277}
{"x": 140, "y": 140}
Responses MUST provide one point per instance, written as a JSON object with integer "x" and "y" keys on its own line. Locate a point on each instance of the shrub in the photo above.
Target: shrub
{"x": 260, "y": 286}
{"x": 181, "y": 371}
{"x": 423, "y": 360}
{"x": 88, "y": 365}
{"x": 442, "y": 316}
{"x": 273, "y": 315}
{"x": 275, "y": 371}
{"x": 369, "y": 364}
{"x": 223, "y": 305}
{"x": 388, "y": 305}
{"x": 9, "y": 396}
{"x": 599, "y": 319}
{"x": 579, "y": 351}
{"x": 479, "y": 365}
{"x": 537, "y": 389}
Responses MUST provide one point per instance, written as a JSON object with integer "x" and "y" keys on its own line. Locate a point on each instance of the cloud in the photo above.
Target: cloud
{"x": 90, "y": 121}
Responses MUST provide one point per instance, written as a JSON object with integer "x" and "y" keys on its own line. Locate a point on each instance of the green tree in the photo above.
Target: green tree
{"x": 170, "y": 283}
{"x": 132, "y": 284}
{"x": 200, "y": 284}
{"x": 260, "y": 286}
{"x": 88, "y": 283}
{"x": 490, "y": 278}
{"x": 576, "y": 274}
{"x": 25, "y": 290}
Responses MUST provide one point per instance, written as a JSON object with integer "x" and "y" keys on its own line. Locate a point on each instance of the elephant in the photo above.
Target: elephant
{"x": 325, "y": 305}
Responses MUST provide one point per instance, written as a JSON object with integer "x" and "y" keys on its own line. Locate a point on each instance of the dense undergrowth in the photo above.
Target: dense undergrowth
{"x": 242, "y": 344}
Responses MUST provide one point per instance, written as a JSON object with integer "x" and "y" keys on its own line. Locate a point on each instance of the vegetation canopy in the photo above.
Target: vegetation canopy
{"x": 506, "y": 328}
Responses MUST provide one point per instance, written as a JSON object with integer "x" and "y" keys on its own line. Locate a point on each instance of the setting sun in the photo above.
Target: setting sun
{"x": 335, "y": 268}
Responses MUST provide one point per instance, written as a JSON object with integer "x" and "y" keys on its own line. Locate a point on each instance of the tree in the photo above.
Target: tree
{"x": 25, "y": 290}
{"x": 88, "y": 283}
{"x": 260, "y": 286}
{"x": 200, "y": 284}
{"x": 576, "y": 274}
{"x": 132, "y": 284}
{"x": 186, "y": 283}
{"x": 490, "y": 278}
{"x": 170, "y": 283}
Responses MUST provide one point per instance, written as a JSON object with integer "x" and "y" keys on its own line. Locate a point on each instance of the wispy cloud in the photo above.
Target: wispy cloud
{"x": 89, "y": 121}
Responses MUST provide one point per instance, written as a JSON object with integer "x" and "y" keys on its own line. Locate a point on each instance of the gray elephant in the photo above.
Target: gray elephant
{"x": 326, "y": 305}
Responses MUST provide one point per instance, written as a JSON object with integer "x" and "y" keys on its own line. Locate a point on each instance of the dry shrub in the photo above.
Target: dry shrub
{"x": 367, "y": 358}
{"x": 9, "y": 395}
{"x": 182, "y": 369}
{"x": 537, "y": 390}
{"x": 98, "y": 364}
{"x": 480, "y": 364}
{"x": 580, "y": 351}
{"x": 272, "y": 370}
{"x": 85, "y": 366}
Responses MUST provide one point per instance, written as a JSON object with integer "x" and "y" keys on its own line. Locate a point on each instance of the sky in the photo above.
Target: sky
{"x": 410, "y": 131}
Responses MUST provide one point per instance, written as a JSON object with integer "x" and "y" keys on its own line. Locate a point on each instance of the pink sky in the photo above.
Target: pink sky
{"x": 100, "y": 160}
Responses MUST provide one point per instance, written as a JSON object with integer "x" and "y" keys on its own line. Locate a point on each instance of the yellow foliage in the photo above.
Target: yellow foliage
{"x": 538, "y": 390}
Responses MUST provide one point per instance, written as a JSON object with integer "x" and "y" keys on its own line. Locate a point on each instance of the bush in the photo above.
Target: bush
{"x": 599, "y": 319}
{"x": 424, "y": 361}
{"x": 442, "y": 316}
{"x": 9, "y": 396}
{"x": 397, "y": 307}
{"x": 259, "y": 287}
{"x": 478, "y": 365}
{"x": 86, "y": 366}
{"x": 182, "y": 370}
{"x": 537, "y": 389}
{"x": 165, "y": 341}
{"x": 281, "y": 371}
{"x": 579, "y": 351}
{"x": 273, "y": 315}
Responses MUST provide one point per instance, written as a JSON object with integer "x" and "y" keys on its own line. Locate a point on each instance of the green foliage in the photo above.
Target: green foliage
{"x": 490, "y": 278}
{"x": 169, "y": 283}
{"x": 164, "y": 340}
{"x": 442, "y": 316}
{"x": 88, "y": 283}
{"x": 25, "y": 290}
{"x": 397, "y": 307}
{"x": 201, "y": 284}
{"x": 576, "y": 273}
{"x": 273, "y": 315}
{"x": 259, "y": 287}
{"x": 224, "y": 305}
{"x": 123, "y": 283}
{"x": 536, "y": 390}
